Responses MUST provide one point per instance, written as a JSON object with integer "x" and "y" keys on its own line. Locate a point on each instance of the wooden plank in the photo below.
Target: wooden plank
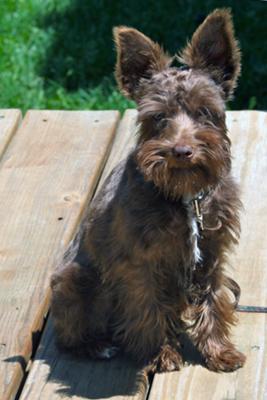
{"x": 248, "y": 383}
{"x": 54, "y": 374}
{"x": 9, "y": 121}
{"x": 248, "y": 135}
{"x": 47, "y": 175}
{"x": 125, "y": 140}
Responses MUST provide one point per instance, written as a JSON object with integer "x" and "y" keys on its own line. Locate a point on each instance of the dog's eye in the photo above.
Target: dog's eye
{"x": 204, "y": 112}
{"x": 158, "y": 117}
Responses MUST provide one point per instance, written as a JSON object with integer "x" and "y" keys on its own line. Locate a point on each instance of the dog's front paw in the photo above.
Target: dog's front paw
{"x": 228, "y": 359}
{"x": 168, "y": 360}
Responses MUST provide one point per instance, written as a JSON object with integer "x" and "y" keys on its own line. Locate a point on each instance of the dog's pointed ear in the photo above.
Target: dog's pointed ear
{"x": 213, "y": 48}
{"x": 138, "y": 57}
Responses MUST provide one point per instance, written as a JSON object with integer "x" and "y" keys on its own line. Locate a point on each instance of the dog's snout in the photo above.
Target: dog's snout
{"x": 184, "y": 152}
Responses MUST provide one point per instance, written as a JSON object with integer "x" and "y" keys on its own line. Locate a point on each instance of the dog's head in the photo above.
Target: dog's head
{"x": 183, "y": 145}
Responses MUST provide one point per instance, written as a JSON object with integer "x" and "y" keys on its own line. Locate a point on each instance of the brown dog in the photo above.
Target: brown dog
{"x": 150, "y": 263}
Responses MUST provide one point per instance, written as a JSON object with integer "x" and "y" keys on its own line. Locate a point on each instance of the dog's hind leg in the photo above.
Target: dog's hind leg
{"x": 80, "y": 311}
{"x": 142, "y": 320}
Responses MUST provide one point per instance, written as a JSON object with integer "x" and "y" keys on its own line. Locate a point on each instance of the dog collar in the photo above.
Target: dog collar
{"x": 197, "y": 209}
{"x": 196, "y": 202}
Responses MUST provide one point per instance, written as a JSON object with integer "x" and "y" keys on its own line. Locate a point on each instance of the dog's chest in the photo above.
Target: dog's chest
{"x": 180, "y": 238}
{"x": 194, "y": 236}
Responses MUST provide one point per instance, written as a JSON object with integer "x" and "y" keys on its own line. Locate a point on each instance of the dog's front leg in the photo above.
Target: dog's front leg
{"x": 169, "y": 359}
{"x": 213, "y": 319}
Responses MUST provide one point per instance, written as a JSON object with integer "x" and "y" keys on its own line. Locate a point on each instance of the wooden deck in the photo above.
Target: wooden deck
{"x": 50, "y": 166}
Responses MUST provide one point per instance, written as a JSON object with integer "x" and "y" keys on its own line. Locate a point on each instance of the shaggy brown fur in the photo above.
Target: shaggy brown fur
{"x": 144, "y": 271}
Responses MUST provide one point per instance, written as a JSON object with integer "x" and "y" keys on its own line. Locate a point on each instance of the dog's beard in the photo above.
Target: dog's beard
{"x": 181, "y": 179}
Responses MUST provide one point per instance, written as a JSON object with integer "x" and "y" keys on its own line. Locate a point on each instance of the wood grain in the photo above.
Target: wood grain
{"x": 249, "y": 267}
{"x": 47, "y": 175}
{"x": 249, "y": 139}
{"x": 124, "y": 141}
{"x": 54, "y": 374}
{"x": 9, "y": 122}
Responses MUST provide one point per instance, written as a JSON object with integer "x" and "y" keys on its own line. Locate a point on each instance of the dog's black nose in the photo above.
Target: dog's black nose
{"x": 183, "y": 151}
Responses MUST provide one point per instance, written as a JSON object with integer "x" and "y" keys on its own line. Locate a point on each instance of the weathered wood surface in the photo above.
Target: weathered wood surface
{"x": 248, "y": 132}
{"x": 124, "y": 141}
{"x": 9, "y": 121}
{"x": 249, "y": 139}
{"x": 47, "y": 174}
{"x": 54, "y": 374}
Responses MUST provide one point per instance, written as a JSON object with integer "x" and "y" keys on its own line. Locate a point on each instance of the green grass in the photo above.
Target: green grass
{"x": 59, "y": 54}
{"x": 24, "y": 46}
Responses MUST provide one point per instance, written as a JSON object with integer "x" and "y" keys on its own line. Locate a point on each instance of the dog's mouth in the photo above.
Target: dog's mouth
{"x": 178, "y": 164}
{"x": 181, "y": 172}
{"x": 187, "y": 168}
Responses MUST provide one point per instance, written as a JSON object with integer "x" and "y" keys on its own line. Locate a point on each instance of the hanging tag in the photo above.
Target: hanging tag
{"x": 199, "y": 215}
